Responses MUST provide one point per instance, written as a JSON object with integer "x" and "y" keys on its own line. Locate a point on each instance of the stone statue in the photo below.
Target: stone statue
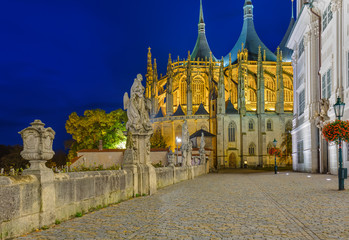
{"x": 202, "y": 149}
{"x": 138, "y": 108}
{"x": 322, "y": 117}
{"x": 170, "y": 158}
{"x": 186, "y": 147}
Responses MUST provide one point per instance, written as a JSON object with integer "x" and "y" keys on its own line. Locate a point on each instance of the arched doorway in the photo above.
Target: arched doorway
{"x": 232, "y": 161}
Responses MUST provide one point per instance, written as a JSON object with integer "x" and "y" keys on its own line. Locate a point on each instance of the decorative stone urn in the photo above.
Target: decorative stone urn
{"x": 37, "y": 145}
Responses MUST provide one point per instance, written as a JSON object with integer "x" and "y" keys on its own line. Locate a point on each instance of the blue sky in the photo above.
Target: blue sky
{"x": 61, "y": 56}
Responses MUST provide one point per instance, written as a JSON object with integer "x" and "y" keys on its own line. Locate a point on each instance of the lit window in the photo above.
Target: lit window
{"x": 231, "y": 132}
{"x": 184, "y": 92}
{"x": 301, "y": 102}
{"x": 269, "y": 125}
{"x": 300, "y": 154}
{"x": 251, "y": 125}
{"x": 251, "y": 149}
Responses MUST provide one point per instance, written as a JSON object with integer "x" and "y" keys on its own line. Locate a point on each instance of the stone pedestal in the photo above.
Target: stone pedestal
{"x": 48, "y": 195}
{"x": 137, "y": 159}
{"x": 37, "y": 148}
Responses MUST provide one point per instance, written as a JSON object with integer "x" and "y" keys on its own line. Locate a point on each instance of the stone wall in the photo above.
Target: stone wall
{"x": 113, "y": 157}
{"x": 20, "y": 197}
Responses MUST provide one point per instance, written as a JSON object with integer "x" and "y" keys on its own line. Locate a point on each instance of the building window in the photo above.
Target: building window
{"x": 198, "y": 91}
{"x": 326, "y": 84}
{"x": 184, "y": 92}
{"x": 251, "y": 149}
{"x": 269, "y": 125}
{"x": 251, "y": 125}
{"x": 300, "y": 154}
{"x": 327, "y": 17}
{"x": 301, "y": 47}
{"x": 301, "y": 102}
{"x": 269, "y": 147}
{"x": 231, "y": 132}
{"x": 348, "y": 69}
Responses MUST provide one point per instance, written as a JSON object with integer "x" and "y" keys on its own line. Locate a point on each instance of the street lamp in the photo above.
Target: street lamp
{"x": 275, "y": 166}
{"x": 339, "y": 111}
{"x": 178, "y": 141}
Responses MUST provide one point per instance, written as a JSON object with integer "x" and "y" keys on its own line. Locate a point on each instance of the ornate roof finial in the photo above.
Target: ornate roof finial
{"x": 188, "y": 55}
{"x": 292, "y": 9}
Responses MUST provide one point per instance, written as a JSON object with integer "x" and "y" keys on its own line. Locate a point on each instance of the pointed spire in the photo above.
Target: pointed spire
{"x": 292, "y": 9}
{"x": 201, "y": 18}
{"x": 259, "y": 54}
{"x": 169, "y": 64}
{"x": 149, "y": 65}
{"x": 155, "y": 71}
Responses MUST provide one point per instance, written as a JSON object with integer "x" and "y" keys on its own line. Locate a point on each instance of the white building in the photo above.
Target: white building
{"x": 320, "y": 40}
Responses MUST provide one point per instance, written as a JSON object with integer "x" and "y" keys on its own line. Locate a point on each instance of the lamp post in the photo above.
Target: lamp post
{"x": 275, "y": 166}
{"x": 339, "y": 111}
{"x": 178, "y": 140}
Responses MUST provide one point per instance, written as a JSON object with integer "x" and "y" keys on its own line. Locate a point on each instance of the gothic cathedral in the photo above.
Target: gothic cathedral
{"x": 241, "y": 102}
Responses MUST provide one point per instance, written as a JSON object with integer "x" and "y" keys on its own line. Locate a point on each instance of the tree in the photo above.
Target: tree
{"x": 12, "y": 158}
{"x": 286, "y": 145}
{"x": 157, "y": 140}
{"x": 93, "y": 126}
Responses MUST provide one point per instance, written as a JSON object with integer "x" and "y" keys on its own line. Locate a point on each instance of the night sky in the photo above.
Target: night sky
{"x": 61, "y": 56}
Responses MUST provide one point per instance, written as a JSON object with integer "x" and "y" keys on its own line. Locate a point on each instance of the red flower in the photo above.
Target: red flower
{"x": 335, "y": 130}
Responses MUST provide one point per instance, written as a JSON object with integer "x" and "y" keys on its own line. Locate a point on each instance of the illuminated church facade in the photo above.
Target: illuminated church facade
{"x": 242, "y": 102}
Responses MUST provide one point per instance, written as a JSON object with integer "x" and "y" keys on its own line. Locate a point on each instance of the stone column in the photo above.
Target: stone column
{"x": 37, "y": 148}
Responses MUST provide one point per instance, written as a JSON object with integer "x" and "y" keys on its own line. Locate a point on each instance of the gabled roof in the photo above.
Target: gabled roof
{"x": 250, "y": 40}
{"x": 202, "y": 49}
{"x": 179, "y": 112}
{"x": 201, "y": 110}
{"x": 160, "y": 114}
{"x": 230, "y": 108}
{"x": 199, "y": 133}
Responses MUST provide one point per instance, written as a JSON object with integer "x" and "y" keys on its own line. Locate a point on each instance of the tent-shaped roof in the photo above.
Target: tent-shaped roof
{"x": 199, "y": 133}
{"x": 179, "y": 112}
{"x": 201, "y": 110}
{"x": 230, "y": 108}
{"x": 202, "y": 49}
{"x": 160, "y": 114}
{"x": 286, "y": 52}
{"x": 249, "y": 39}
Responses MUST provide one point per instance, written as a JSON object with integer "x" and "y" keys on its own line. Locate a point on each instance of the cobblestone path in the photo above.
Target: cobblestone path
{"x": 222, "y": 206}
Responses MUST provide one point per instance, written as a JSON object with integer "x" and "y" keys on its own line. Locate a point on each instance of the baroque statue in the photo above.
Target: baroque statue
{"x": 138, "y": 108}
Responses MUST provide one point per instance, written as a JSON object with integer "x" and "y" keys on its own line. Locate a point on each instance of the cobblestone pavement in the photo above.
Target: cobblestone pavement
{"x": 222, "y": 206}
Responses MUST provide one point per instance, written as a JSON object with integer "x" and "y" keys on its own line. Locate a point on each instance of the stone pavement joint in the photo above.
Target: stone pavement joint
{"x": 222, "y": 206}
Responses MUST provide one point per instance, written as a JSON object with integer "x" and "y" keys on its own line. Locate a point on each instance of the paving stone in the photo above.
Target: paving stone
{"x": 222, "y": 206}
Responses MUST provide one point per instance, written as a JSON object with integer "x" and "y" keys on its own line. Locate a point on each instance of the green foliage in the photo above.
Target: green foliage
{"x": 78, "y": 214}
{"x": 10, "y": 158}
{"x": 57, "y": 222}
{"x": 93, "y": 126}
{"x": 157, "y": 165}
{"x": 158, "y": 141}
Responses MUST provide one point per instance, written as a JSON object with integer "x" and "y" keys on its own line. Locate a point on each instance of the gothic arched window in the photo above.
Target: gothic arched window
{"x": 183, "y": 92}
{"x": 269, "y": 125}
{"x": 231, "y": 132}
{"x": 198, "y": 91}
{"x": 251, "y": 149}
{"x": 251, "y": 125}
